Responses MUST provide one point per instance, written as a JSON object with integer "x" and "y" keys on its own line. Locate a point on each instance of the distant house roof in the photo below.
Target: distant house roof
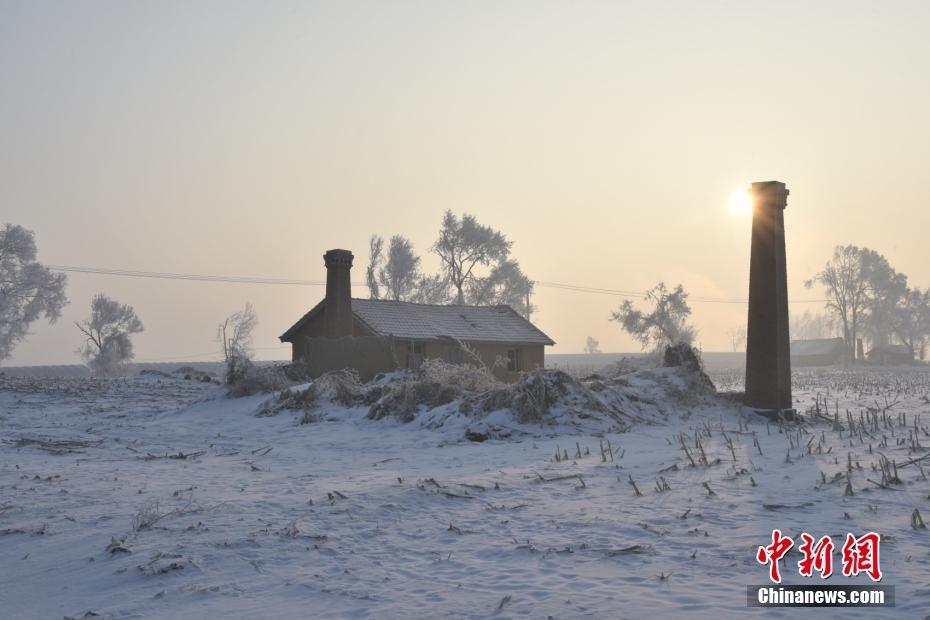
{"x": 891, "y": 349}
{"x": 430, "y": 322}
{"x": 818, "y": 346}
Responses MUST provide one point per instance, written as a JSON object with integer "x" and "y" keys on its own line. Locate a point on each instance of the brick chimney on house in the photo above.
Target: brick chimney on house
{"x": 337, "y": 307}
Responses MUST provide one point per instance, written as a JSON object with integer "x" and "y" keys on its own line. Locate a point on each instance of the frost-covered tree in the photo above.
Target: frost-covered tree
{"x": 235, "y": 333}
{"x": 375, "y": 251}
{"x": 431, "y": 289}
{"x": 465, "y": 245}
{"x": 235, "y": 336}
{"x": 737, "y": 336}
{"x": 107, "y": 347}
{"x": 592, "y": 346}
{"x": 886, "y": 288}
{"x": 401, "y": 272}
{"x": 506, "y": 284}
{"x": 912, "y": 321}
{"x": 863, "y": 293}
{"x": 476, "y": 269}
{"x": 664, "y": 323}
{"x": 397, "y": 276}
{"x": 844, "y": 281}
{"x": 28, "y": 290}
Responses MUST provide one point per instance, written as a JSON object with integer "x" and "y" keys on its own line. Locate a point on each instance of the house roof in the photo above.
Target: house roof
{"x": 817, "y": 346}
{"x": 430, "y": 322}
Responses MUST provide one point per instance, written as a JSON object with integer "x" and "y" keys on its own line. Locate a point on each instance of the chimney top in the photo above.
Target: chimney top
{"x": 770, "y": 194}
{"x": 338, "y": 258}
{"x": 337, "y": 309}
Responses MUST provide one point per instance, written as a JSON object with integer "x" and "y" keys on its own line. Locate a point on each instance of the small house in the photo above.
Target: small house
{"x": 374, "y": 336}
{"x": 818, "y": 352}
{"x": 889, "y": 354}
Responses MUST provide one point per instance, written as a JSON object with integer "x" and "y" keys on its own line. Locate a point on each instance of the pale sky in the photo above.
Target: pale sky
{"x": 604, "y": 138}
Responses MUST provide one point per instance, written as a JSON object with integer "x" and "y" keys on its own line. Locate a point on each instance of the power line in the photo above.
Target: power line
{"x": 294, "y": 282}
{"x": 630, "y": 294}
{"x": 185, "y": 276}
{"x": 640, "y": 295}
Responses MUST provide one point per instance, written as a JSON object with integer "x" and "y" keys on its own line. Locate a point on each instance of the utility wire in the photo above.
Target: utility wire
{"x": 185, "y": 276}
{"x": 640, "y": 295}
{"x": 293, "y": 282}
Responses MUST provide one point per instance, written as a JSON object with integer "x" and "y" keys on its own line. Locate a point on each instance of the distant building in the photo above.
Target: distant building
{"x": 888, "y": 354}
{"x": 818, "y": 352}
{"x": 373, "y": 336}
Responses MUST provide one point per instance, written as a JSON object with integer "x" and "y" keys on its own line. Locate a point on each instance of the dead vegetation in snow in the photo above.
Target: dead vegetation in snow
{"x": 441, "y": 393}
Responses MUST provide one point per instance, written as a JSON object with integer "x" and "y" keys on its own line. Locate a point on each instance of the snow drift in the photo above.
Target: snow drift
{"x": 470, "y": 402}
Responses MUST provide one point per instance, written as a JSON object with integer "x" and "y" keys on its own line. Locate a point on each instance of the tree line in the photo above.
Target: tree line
{"x": 865, "y": 297}
{"x": 30, "y": 291}
{"x": 476, "y": 268}
{"x": 868, "y": 298}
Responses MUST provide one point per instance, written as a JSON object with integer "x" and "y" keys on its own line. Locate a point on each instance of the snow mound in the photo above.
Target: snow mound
{"x": 469, "y": 402}
{"x": 340, "y": 388}
{"x": 687, "y": 357}
{"x": 541, "y": 397}
{"x": 543, "y": 394}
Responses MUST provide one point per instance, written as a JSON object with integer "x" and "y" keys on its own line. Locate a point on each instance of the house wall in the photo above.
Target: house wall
{"x": 531, "y": 356}
{"x": 315, "y": 328}
{"x": 368, "y": 355}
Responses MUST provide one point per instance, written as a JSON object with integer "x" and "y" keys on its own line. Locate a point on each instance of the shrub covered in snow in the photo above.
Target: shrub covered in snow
{"x": 342, "y": 387}
{"x": 533, "y": 397}
{"x": 444, "y": 395}
{"x": 544, "y": 396}
{"x": 687, "y": 357}
{"x": 465, "y": 377}
{"x": 437, "y": 383}
{"x": 251, "y": 379}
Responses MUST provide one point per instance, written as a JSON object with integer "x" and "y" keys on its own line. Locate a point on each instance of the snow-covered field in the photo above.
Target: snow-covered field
{"x": 157, "y": 497}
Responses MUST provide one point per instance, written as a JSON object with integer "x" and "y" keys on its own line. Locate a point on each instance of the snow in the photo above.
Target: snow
{"x": 353, "y": 518}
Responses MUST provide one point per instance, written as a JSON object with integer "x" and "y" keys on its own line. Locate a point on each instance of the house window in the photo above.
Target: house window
{"x": 513, "y": 360}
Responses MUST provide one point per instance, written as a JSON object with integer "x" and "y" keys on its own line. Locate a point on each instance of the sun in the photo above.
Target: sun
{"x": 740, "y": 203}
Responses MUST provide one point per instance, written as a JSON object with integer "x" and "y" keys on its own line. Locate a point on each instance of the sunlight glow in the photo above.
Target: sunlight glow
{"x": 740, "y": 202}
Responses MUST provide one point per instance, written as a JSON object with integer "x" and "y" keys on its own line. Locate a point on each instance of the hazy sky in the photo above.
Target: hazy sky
{"x": 604, "y": 138}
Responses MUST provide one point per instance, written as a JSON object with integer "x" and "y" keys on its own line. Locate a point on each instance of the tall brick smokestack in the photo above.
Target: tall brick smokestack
{"x": 768, "y": 362}
{"x": 337, "y": 309}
